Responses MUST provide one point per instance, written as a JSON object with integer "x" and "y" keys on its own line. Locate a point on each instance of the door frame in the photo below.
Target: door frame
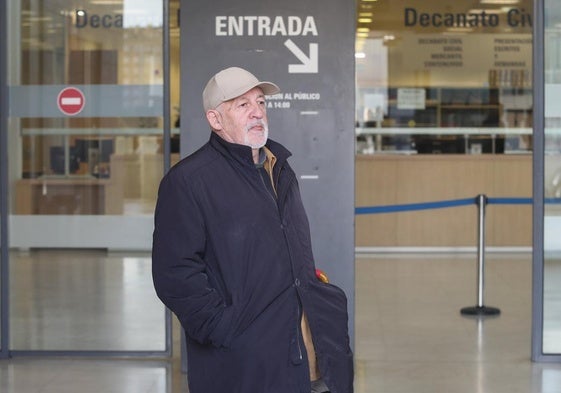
{"x": 538, "y": 183}
{"x": 5, "y": 351}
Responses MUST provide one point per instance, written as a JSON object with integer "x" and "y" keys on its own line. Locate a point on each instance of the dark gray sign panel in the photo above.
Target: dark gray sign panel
{"x": 307, "y": 48}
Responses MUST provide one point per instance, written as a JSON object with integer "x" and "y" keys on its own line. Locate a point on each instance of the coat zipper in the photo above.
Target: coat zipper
{"x": 278, "y": 204}
{"x": 267, "y": 189}
{"x": 299, "y": 311}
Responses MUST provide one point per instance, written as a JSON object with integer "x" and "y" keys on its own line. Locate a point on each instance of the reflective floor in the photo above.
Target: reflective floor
{"x": 86, "y": 300}
{"x": 410, "y": 335}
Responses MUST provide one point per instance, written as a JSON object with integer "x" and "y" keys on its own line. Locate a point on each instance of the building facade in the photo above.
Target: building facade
{"x": 450, "y": 100}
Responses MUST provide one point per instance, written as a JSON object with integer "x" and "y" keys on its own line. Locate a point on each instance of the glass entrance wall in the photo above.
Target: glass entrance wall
{"x": 89, "y": 100}
{"x": 551, "y": 341}
{"x": 444, "y": 110}
{"x": 85, "y": 158}
{"x": 444, "y": 77}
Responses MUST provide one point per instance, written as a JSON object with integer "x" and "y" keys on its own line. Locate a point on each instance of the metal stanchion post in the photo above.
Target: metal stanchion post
{"x": 480, "y": 308}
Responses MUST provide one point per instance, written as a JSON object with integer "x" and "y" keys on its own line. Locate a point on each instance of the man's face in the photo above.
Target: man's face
{"x": 242, "y": 120}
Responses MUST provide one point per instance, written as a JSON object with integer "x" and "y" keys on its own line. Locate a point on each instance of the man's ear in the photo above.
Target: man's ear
{"x": 213, "y": 117}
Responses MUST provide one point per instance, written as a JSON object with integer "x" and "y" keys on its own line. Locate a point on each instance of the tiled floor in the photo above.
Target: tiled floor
{"x": 410, "y": 335}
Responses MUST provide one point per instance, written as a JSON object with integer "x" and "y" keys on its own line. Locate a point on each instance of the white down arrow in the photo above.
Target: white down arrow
{"x": 309, "y": 63}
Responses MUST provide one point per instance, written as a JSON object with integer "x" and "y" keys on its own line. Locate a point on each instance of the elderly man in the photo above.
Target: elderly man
{"x": 232, "y": 258}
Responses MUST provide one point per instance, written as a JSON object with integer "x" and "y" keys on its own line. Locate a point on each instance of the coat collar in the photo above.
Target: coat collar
{"x": 242, "y": 153}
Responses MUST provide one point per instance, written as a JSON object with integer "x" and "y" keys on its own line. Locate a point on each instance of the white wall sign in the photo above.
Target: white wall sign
{"x": 503, "y": 60}
{"x": 411, "y": 98}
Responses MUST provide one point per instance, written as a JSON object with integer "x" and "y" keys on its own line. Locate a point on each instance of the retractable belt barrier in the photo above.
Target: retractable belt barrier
{"x": 481, "y": 201}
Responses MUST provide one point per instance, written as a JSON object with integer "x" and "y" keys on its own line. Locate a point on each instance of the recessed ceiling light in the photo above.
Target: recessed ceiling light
{"x": 500, "y": 1}
{"x": 106, "y": 2}
{"x": 457, "y": 30}
{"x": 487, "y": 11}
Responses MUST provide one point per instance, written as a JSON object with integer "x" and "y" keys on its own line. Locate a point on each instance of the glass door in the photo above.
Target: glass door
{"x": 551, "y": 340}
{"x": 546, "y": 323}
{"x": 85, "y": 153}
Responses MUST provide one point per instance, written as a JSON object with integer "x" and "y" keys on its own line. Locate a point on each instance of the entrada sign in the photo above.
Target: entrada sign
{"x": 266, "y": 26}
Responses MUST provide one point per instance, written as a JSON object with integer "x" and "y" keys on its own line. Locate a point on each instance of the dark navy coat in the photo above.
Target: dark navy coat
{"x": 236, "y": 267}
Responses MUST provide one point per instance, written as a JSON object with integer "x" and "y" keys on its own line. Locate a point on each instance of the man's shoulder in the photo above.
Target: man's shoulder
{"x": 196, "y": 162}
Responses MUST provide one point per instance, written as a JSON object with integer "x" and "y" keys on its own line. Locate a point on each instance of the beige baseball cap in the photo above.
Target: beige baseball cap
{"x": 231, "y": 83}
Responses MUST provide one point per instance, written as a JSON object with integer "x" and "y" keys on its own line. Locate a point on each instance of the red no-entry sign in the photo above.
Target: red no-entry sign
{"x": 71, "y": 101}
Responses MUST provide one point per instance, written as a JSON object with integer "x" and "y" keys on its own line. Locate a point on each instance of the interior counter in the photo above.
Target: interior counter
{"x": 404, "y": 179}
